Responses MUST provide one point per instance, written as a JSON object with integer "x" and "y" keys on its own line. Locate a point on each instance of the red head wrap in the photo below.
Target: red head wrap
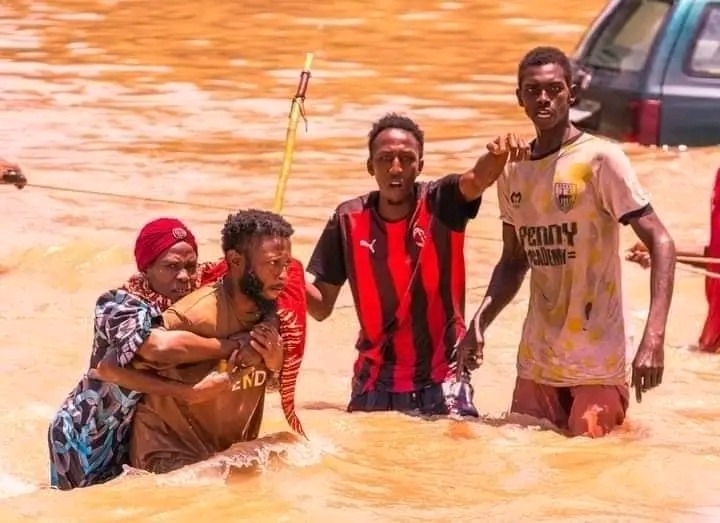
{"x": 158, "y": 236}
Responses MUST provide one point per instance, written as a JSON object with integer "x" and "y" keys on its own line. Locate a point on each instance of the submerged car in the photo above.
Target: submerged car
{"x": 648, "y": 71}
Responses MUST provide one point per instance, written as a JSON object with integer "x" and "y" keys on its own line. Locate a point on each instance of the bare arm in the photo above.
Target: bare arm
{"x": 652, "y": 233}
{"x": 690, "y": 254}
{"x": 490, "y": 165}
{"x": 506, "y": 280}
{"x": 697, "y": 264}
{"x": 175, "y": 347}
{"x": 140, "y": 381}
{"x": 149, "y": 383}
{"x": 487, "y": 169}
{"x": 321, "y": 298}
{"x": 327, "y": 265}
{"x": 127, "y": 329}
{"x": 693, "y": 254}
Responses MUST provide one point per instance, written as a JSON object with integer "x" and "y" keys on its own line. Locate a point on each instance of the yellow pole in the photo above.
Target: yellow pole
{"x": 296, "y": 110}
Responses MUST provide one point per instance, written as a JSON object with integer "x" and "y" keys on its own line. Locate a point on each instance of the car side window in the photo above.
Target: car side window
{"x": 625, "y": 42}
{"x": 705, "y": 54}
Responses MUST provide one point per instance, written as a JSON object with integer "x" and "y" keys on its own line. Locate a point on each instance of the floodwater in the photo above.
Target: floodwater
{"x": 188, "y": 101}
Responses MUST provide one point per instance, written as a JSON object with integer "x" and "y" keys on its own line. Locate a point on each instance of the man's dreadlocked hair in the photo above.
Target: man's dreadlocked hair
{"x": 543, "y": 56}
{"x": 396, "y": 121}
{"x": 244, "y": 226}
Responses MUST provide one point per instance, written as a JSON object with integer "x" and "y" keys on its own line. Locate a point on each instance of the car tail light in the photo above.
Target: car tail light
{"x": 645, "y": 122}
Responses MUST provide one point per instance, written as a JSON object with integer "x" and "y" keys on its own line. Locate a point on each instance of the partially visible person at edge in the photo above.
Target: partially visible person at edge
{"x": 11, "y": 174}
{"x": 168, "y": 433}
{"x": 89, "y": 445}
{"x": 400, "y": 248}
{"x": 561, "y": 208}
{"x": 709, "y": 340}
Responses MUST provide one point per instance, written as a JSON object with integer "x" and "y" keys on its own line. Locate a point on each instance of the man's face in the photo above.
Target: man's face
{"x": 395, "y": 162}
{"x": 545, "y": 95}
{"x": 261, "y": 272}
{"x": 172, "y": 272}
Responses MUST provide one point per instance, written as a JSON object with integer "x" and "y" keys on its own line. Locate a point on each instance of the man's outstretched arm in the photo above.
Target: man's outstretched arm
{"x": 491, "y": 164}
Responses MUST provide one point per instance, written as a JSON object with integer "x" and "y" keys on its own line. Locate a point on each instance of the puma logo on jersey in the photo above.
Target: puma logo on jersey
{"x": 369, "y": 245}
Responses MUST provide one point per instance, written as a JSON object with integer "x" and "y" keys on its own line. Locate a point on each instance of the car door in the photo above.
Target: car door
{"x": 613, "y": 64}
{"x": 690, "y": 112}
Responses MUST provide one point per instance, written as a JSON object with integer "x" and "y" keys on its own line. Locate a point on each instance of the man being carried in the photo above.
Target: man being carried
{"x": 561, "y": 212}
{"x": 89, "y": 435}
{"x": 401, "y": 250}
{"x": 168, "y": 434}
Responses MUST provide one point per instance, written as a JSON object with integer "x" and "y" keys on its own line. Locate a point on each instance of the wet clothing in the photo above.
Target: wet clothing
{"x": 583, "y": 410}
{"x": 451, "y": 397}
{"x": 566, "y": 209}
{"x": 292, "y": 314}
{"x": 169, "y": 433}
{"x": 88, "y": 437}
{"x": 408, "y": 284}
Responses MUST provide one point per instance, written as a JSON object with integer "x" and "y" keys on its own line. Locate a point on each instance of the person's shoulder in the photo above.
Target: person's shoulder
{"x": 119, "y": 298}
{"x": 600, "y": 148}
{"x": 198, "y": 298}
{"x": 200, "y": 295}
{"x": 114, "y": 296}
{"x": 118, "y": 306}
{"x": 356, "y": 204}
{"x": 445, "y": 179}
{"x": 428, "y": 187}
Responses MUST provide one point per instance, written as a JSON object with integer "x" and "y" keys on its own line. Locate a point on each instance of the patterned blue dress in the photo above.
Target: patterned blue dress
{"x": 88, "y": 437}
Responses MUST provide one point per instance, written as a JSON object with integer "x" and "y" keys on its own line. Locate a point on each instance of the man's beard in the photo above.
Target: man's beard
{"x": 252, "y": 287}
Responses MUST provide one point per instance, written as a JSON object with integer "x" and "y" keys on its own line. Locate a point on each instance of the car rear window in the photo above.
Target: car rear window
{"x": 625, "y": 40}
{"x": 705, "y": 57}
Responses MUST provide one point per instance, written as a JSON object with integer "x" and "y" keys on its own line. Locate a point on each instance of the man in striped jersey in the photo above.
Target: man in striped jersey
{"x": 400, "y": 248}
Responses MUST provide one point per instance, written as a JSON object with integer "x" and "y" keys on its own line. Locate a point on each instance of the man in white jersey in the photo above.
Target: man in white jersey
{"x": 561, "y": 211}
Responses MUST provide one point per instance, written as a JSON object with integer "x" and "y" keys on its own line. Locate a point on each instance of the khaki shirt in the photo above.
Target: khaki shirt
{"x": 169, "y": 433}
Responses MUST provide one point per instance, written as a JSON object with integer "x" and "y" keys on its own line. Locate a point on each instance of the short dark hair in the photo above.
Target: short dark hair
{"x": 396, "y": 121}
{"x": 244, "y": 226}
{"x": 542, "y": 56}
